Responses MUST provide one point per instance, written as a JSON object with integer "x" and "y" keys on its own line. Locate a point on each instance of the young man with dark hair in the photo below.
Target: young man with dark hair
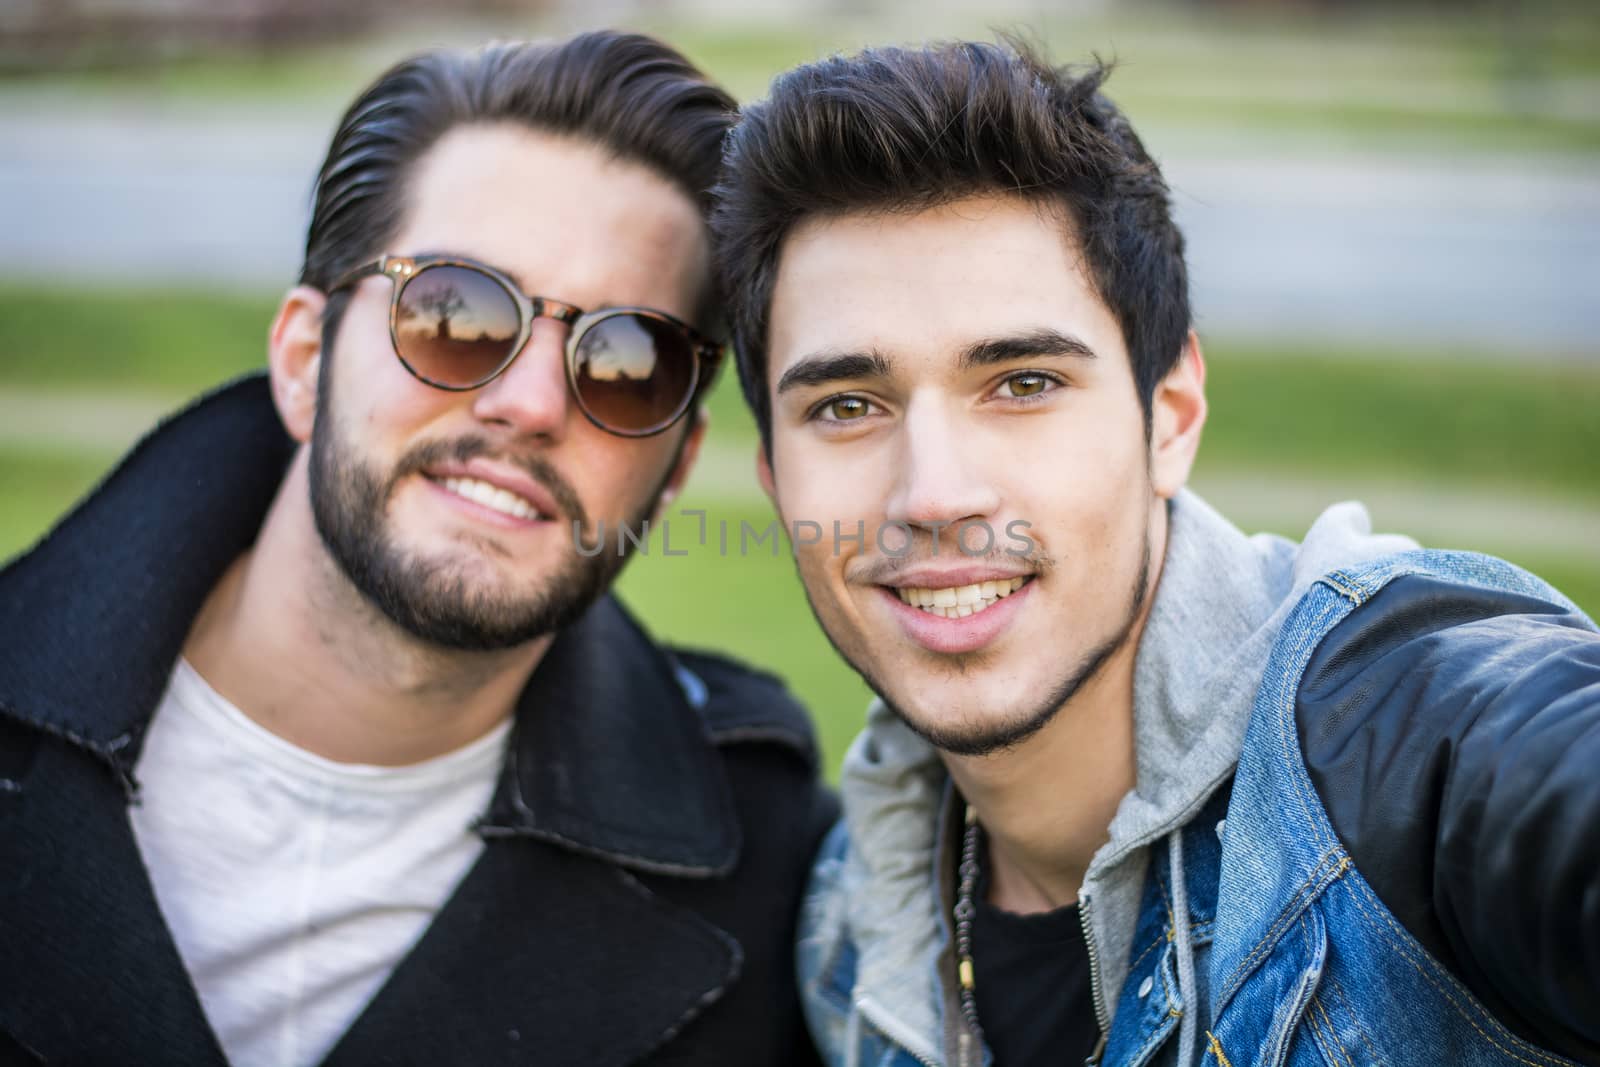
{"x": 320, "y": 741}
{"x": 1139, "y": 788}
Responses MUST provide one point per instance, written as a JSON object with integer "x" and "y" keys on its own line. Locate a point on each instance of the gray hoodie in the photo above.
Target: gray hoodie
{"x": 1221, "y": 600}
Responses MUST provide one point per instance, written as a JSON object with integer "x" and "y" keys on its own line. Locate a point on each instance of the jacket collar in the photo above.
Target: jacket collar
{"x": 608, "y": 757}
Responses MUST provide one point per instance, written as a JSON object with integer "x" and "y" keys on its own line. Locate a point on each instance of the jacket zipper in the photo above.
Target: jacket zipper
{"x": 892, "y": 1031}
{"x": 1101, "y": 1016}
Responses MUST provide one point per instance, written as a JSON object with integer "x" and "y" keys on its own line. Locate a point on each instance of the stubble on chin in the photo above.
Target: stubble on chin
{"x": 982, "y": 732}
{"x": 443, "y": 603}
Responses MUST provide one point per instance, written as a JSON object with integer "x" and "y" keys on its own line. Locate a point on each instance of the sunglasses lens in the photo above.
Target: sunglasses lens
{"x": 455, "y": 326}
{"x": 633, "y": 372}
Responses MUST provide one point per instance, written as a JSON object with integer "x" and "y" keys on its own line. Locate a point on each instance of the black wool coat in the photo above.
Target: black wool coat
{"x": 646, "y": 847}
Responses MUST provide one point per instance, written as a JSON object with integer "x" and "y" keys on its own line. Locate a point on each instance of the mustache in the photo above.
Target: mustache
{"x": 427, "y": 454}
{"x": 884, "y": 570}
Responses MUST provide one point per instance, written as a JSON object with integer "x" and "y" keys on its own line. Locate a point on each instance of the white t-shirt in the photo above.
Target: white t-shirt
{"x": 292, "y": 884}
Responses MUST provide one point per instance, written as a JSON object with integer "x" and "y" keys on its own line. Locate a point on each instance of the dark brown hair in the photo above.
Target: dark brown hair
{"x": 893, "y": 129}
{"x": 628, "y": 93}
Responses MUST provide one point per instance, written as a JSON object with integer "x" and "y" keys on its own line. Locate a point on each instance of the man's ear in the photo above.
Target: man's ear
{"x": 294, "y": 359}
{"x": 686, "y": 460}
{"x": 1177, "y": 415}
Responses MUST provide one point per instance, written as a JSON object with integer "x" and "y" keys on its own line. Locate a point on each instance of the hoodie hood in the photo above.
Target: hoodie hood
{"x": 1220, "y": 602}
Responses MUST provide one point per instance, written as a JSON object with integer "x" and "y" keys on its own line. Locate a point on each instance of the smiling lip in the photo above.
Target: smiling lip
{"x": 501, "y": 477}
{"x": 929, "y": 577}
{"x": 954, "y": 636}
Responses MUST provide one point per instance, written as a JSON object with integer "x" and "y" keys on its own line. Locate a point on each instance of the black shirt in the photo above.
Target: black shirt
{"x": 1031, "y": 978}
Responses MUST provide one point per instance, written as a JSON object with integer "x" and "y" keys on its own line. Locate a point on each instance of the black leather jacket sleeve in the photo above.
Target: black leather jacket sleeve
{"x": 1454, "y": 736}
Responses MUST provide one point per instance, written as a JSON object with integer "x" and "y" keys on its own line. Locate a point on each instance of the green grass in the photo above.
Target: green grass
{"x": 1517, "y": 424}
{"x": 748, "y": 604}
{"x": 39, "y": 488}
{"x": 175, "y": 339}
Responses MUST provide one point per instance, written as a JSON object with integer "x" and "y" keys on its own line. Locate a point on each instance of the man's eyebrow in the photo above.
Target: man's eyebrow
{"x": 825, "y": 367}
{"x": 1040, "y": 342}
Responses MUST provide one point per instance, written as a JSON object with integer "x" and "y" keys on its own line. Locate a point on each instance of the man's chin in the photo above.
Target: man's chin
{"x": 960, "y": 732}
{"x": 462, "y": 599}
{"x": 464, "y": 623}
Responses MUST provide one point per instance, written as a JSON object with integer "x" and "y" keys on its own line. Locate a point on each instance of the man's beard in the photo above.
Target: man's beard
{"x": 433, "y": 599}
{"x": 984, "y": 738}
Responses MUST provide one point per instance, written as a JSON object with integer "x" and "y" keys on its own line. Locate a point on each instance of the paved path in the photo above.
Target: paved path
{"x": 1287, "y": 237}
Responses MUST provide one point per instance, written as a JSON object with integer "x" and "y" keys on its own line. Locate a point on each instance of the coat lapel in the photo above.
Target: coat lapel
{"x": 544, "y": 956}
{"x": 88, "y": 969}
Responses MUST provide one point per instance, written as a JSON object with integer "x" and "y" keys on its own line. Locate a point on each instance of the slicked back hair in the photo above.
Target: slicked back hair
{"x": 627, "y": 93}
{"x": 903, "y": 130}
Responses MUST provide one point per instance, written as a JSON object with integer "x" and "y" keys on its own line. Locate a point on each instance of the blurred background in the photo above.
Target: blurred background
{"x": 1393, "y": 214}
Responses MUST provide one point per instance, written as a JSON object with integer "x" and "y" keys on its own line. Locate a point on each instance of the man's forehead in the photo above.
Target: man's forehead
{"x": 943, "y": 279}
{"x": 555, "y": 211}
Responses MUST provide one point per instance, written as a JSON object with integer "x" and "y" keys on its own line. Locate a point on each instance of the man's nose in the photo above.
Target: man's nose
{"x": 941, "y": 478}
{"x": 531, "y": 397}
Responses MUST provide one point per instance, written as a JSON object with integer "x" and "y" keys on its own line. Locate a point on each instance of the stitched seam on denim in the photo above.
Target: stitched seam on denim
{"x": 1160, "y": 1033}
{"x": 1302, "y": 1002}
{"x": 1333, "y": 1034}
{"x": 1134, "y": 966}
{"x": 1143, "y": 1052}
{"x": 1166, "y": 991}
{"x": 1315, "y": 883}
{"x": 1316, "y": 1037}
{"x": 1161, "y": 887}
{"x": 1451, "y": 995}
{"x": 1327, "y": 1044}
{"x": 1345, "y": 585}
{"x": 1355, "y": 1020}
{"x": 1216, "y": 1050}
{"x": 1293, "y": 762}
{"x": 1166, "y": 902}
{"x": 1162, "y": 1030}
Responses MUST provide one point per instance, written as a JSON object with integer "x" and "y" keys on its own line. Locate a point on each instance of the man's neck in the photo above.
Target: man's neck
{"x": 1046, "y": 804}
{"x": 286, "y": 638}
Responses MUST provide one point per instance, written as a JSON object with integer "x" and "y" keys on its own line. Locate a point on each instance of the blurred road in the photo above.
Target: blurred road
{"x": 1496, "y": 253}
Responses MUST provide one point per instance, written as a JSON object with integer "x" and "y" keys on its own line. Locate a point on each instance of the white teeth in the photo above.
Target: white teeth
{"x": 491, "y": 496}
{"x": 958, "y": 602}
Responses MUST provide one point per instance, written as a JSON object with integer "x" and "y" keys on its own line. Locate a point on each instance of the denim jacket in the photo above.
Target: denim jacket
{"x": 1253, "y": 935}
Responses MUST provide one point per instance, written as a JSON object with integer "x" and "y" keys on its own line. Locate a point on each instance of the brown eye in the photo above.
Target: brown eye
{"x": 846, "y": 408}
{"x": 1027, "y": 384}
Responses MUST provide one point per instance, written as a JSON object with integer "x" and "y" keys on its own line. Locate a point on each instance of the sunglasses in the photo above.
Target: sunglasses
{"x": 458, "y": 325}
